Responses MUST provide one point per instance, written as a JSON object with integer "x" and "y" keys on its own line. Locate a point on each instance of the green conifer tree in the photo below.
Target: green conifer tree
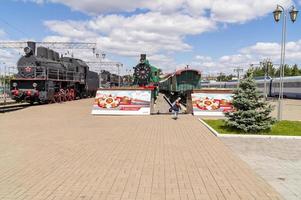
{"x": 252, "y": 112}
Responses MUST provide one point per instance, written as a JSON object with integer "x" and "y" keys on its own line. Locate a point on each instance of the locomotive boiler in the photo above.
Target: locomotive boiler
{"x": 43, "y": 76}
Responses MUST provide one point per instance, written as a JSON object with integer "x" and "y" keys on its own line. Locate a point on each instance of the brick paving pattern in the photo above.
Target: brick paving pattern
{"x": 60, "y": 151}
{"x": 291, "y": 109}
{"x": 278, "y": 161}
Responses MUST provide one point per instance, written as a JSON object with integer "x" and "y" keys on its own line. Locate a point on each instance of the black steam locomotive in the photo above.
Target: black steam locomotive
{"x": 43, "y": 76}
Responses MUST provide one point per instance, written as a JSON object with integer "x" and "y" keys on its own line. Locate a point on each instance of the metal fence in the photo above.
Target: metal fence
{"x": 51, "y": 74}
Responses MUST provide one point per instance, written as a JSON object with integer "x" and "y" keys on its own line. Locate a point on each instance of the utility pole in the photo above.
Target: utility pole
{"x": 238, "y": 70}
{"x": 103, "y": 55}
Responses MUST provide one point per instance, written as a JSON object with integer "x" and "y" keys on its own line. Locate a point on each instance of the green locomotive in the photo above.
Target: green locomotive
{"x": 146, "y": 74}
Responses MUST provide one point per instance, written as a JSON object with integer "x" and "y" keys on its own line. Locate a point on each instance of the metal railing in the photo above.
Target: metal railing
{"x": 51, "y": 74}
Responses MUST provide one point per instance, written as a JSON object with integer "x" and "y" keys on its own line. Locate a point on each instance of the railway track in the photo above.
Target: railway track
{"x": 13, "y": 107}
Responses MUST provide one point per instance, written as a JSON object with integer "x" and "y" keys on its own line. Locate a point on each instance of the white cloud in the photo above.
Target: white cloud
{"x": 249, "y": 55}
{"x": 239, "y": 11}
{"x": 263, "y": 49}
{"x": 5, "y": 54}
{"x": 229, "y": 11}
{"x": 9, "y": 57}
{"x": 73, "y": 29}
{"x": 272, "y": 50}
{"x": 161, "y": 29}
{"x": 160, "y": 60}
{"x": 152, "y": 33}
{"x": 54, "y": 38}
{"x": 203, "y": 58}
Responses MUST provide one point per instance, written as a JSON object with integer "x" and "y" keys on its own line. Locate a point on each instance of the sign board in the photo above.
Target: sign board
{"x": 211, "y": 103}
{"x": 122, "y": 102}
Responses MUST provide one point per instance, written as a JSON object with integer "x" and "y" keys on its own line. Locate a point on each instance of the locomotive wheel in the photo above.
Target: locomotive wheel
{"x": 62, "y": 95}
{"x": 52, "y": 100}
{"x": 68, "y": 95}
{"x": 57, "y": 98}
{"x": 72, "y": 95}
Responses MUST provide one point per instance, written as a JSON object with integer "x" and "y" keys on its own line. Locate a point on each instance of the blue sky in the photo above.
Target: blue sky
{"x": 172, "y": 34}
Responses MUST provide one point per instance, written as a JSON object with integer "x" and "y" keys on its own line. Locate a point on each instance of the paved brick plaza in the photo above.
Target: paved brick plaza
{"x": 278, "y": 161}
{"x": 60, "y": 151}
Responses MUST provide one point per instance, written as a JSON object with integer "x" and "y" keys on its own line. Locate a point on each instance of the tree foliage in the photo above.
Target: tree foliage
{"x": 272, "y": 71}
{"x": 223, "y": 77}
{"x": 5, "y": 79}
{"x": 252, "y": 112}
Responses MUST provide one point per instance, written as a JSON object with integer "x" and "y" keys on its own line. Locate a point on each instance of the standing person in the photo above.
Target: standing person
{"x": 176, "y": 108}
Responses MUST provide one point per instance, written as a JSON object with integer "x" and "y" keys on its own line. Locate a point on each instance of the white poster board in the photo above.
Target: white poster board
{"x": 211, "y": 104}
{"x": 122, "y": 102}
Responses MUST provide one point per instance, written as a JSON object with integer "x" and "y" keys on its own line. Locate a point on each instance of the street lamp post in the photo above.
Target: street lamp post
{"x": 4, "y": 84}
{"x": 277, "y": 15}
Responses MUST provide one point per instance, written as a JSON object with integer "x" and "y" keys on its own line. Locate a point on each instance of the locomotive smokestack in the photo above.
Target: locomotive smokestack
{"x": 142, "y": 57}
{"x": 32, "y": 46}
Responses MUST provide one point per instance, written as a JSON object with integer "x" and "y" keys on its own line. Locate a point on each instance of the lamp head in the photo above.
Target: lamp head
{"x": 277, "y": 13}
{"x": 293, "y": 14}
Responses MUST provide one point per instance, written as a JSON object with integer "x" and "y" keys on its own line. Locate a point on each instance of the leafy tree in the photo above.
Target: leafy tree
{"x": 265, "y": 67}
{"x": 5, "y": 79}
{"x": 223, "y": 77}
{"x": 258, "y": 71}
{"x": 295, "y": 71}
{"x": 287, "y": 70}
{"x": 271, "y": 71}
{"x": 252, "y": 112}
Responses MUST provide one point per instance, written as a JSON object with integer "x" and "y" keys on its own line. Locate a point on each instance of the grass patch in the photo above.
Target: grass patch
{"x": 290, "y": 128}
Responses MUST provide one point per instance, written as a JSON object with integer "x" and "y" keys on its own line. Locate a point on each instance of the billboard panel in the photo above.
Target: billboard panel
{"x": 122, "y": 102}
{"x": 211, "y": 104}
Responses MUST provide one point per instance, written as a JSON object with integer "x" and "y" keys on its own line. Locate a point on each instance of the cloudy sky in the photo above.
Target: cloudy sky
{"x": 210, "y": 35}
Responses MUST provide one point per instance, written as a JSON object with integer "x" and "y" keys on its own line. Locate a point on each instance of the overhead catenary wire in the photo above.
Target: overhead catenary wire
{"x": 15, "y": 28}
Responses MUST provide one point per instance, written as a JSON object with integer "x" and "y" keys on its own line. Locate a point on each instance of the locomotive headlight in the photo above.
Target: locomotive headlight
{"x": 27, "y": 50}
{"x": 34, "y": 85}
{"x": 15, "y": 84}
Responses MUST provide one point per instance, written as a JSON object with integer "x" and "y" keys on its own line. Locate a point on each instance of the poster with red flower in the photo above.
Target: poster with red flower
{"x": 212, "y": 104}
{"x": 122, "y": 102}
